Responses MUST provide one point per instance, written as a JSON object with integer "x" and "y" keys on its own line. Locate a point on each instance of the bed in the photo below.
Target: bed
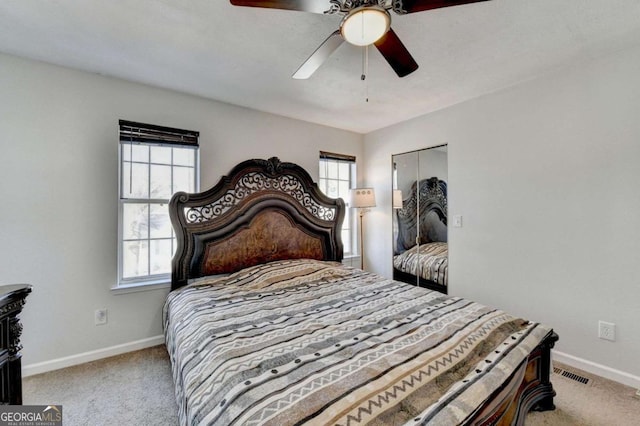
{"x": 264, "y": 325}
{"x": 421, "y": 252}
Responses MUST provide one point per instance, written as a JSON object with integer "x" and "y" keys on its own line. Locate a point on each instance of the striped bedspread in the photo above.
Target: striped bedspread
{"x": 429, "y": 261}
{"x": 309, "y": 342}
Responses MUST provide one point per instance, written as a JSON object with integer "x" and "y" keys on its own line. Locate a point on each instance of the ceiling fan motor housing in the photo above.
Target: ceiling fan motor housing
{"x": 346, "y": 6}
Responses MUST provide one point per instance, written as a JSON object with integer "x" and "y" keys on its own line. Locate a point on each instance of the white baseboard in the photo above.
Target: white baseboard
{"x": 68, "y": 361}
{"x": 597, "y": 369}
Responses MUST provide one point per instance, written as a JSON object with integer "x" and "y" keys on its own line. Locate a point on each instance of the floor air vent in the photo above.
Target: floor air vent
{"x": 570, "y": 375}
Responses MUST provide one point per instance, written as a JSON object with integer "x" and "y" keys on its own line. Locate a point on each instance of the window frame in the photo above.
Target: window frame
{"x": 350, "y": 219}
{"x": 141, "y": 281}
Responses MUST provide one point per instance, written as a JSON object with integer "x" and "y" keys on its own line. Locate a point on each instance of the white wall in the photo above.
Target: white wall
{"x": 547, "y": 177}
{"x": 58, "y": 183}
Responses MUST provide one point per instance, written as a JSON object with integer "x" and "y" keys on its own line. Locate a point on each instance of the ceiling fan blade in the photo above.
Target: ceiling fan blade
{"x": 313, "y": 6}
{"x": 411, "y": 6}
{"x": 396, "y": 54}
{"x": 318, "y": 57}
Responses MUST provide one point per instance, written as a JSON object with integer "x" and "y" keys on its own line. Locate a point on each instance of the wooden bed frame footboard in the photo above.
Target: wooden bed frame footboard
{"x": 528, "y": 388}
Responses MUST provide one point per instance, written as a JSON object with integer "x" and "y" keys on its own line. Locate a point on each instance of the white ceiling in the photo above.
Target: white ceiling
{"x": 246, "y": 56}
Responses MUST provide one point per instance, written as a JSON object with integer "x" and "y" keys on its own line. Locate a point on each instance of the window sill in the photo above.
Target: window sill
{"x": 351, "y": 260}
{"x": 143, "y": 286}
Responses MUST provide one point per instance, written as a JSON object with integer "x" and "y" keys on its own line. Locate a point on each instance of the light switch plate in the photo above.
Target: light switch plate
{"x": 457, "y": 221}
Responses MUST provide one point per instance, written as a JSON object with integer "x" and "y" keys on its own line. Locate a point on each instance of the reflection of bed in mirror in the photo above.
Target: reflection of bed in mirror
{"x": 420, "y": 252}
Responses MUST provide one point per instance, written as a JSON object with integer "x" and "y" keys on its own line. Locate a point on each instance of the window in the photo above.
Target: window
{"x": 155, "y": 162}
{"x": 337, "y": 176}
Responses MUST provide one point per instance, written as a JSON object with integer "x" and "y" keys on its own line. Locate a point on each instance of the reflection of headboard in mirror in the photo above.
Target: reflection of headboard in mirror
{"x": 431, "y": 198}
{"x": 264, "y": 210}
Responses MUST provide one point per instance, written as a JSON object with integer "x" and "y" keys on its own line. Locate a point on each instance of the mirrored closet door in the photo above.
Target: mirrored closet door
{"x": 420, "y": 254}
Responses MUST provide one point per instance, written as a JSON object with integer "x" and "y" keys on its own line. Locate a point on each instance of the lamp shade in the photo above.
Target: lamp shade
{"x": 397, "y": 199}
{"x": 362, "y": 198}
{"x": 365, "y": 25}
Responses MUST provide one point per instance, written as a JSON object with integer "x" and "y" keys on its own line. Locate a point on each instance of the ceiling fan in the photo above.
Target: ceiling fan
{"x": 365, "y": 22}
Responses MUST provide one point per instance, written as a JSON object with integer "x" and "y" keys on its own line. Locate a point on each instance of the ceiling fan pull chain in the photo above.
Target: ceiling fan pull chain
{"x": 365, "y": 71}
{"x": 363, "y": 76}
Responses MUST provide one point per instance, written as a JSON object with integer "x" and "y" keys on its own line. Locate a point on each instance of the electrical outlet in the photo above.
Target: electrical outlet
{"x": 607, "y": 330}
{"x": 100, "y": 316}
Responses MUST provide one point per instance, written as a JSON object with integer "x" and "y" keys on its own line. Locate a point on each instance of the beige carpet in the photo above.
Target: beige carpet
{"x": 600, "y": 402}
{"x": 137, "y": 389}
{"x": 130, "y": 389}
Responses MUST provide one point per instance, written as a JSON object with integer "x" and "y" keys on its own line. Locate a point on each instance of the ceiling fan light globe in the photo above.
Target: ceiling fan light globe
{"x": 365, "y": 25}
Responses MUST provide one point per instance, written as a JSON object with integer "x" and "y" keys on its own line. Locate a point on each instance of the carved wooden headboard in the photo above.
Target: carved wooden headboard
{"x": 413, "y": 217}
{"x": 264, "y": 210}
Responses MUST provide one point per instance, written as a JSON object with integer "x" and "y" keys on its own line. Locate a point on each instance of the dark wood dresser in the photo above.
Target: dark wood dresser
{"x": 12, "y": 299}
